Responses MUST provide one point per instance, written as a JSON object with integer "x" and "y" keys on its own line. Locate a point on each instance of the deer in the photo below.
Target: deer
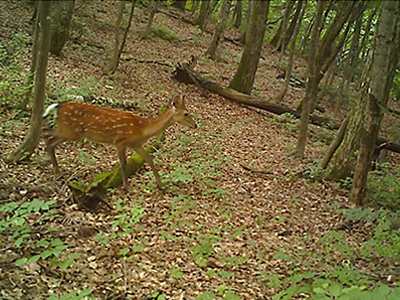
{"x": 123, "y": 129}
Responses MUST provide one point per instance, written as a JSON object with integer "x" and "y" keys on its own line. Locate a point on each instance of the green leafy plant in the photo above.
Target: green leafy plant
{"x": 15, "y": 218}
{"x": 74, "y": 295}
{"x": 123, "y": 223}
{"x": 176, "y": 273}
{"x": 204, "y": 249}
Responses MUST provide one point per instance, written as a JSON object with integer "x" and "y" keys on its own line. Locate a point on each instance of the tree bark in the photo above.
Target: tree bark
{"x": 60, "y": 25}
{"x": 292, "y": 51}
{"x": 201, "y": 19}
{"x": 367, "y": 33}
{"x": 245, "y": 25}
{"x": 32, "y": 138}
{"x": 379, "y": 70}
{"x": 327, "y": 51}
{"x": 152, "y": 13}
{"x": 31, "y": 76}
{"x": 179, "y": 4}
{"x": 245, "y": 74}
{"x": 345, "y": 159}
{"x": 312, "y": 77}
{"x": 289, "y": 31}
{"x": 278, "y": 37}
{"x": 237, "y": 14}
{"x": 219, "y": 30}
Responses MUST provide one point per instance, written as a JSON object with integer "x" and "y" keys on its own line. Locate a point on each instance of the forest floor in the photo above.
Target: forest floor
{"x": 219, "y": 229}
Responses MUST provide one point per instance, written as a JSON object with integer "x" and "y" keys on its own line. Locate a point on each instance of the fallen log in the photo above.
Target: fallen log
{"x": 184, "y": 73}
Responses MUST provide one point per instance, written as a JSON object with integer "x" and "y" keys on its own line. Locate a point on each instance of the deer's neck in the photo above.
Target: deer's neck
{"x": 159, "y": 124}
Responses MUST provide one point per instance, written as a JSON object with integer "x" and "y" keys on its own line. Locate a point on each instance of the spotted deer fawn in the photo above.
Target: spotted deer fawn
{"x": 77, "y": 120}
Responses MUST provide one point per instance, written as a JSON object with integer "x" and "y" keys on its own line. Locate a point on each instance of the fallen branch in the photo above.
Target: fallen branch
{"x": 186, "y": 74}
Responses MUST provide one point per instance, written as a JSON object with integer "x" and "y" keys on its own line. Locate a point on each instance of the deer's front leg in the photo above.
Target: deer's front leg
{"x": 149, "y": 159}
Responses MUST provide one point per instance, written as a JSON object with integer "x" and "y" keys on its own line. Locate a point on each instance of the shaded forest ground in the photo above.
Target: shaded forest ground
{"x": 220, "y": 228}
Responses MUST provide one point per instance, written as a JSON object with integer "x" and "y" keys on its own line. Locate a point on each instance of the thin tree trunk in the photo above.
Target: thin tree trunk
{"x": 32, "y": 138}
{"x": 245, "y": 74}
{"x": 112, "y": 66}
{"x": 152, "y": 13}
{"x": 277, "y": 40}
{"x": 335, "y": 144}
{"x": 328, "y": 80}
{"x": 201, "y": 19}
{"x": 243, "y": 30}
{"x": 289, "y": 31}
{"x": 119, "y": 44}
{"x": 305, "y": 113}
{"x": 237, "y": 14}
{"x": 303, "y": 45}
{"x": 367, "y": 33}
{"x": 35, "y": 50}
{"x": 292, "y": 51}
{"x": 195, "y": 4}
{"x": 219, "y": 30}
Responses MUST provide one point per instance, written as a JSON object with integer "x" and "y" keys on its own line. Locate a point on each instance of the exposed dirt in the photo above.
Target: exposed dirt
{"x": 260, "y": 214}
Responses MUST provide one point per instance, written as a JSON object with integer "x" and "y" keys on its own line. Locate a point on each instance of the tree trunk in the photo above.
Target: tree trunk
{"x": 219, "y": 30}
{"x": 152, "y": 13}
{"x": 367, "y": 33}
{"x": 311, "y": 71}
{"x": 60, "y": 25}
{"x": 304, "y": 41}
{"x": 335, "y": 143}
{"x": 245, "y": 74}
{"x": 346, "y": 157}
{"x": 237, "y": 14}
{"x": 32, "y": 138}
{"x": 327, "y": 51}
{"x": 243, "y": 29}
{"x": 179, "y": 4}
{"x": 31, "y": 76}
{"x": 289, "y": 31}
{"x": 201, "y": 19}
{"x": 380, "y": 69}
{"x": 292, "y": 51}
{"x": 195, "y": 4}
{"x": 119, "y": 44}
{"x": 278, "y": 37}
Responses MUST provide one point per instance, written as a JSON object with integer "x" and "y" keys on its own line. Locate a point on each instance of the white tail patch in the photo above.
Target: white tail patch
{"x": 51, "y": 108}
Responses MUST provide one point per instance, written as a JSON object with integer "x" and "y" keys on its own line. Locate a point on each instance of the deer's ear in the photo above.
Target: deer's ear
{"x": 178, "y": 100}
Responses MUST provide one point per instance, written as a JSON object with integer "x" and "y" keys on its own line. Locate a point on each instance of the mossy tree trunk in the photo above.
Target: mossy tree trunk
{"x": 378, "y": 77}
{"x": 246, "y": 72}
{"x": 32, "y": 138}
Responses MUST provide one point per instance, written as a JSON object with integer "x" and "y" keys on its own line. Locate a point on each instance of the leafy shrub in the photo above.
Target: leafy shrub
{"x": 384, "y": 190}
